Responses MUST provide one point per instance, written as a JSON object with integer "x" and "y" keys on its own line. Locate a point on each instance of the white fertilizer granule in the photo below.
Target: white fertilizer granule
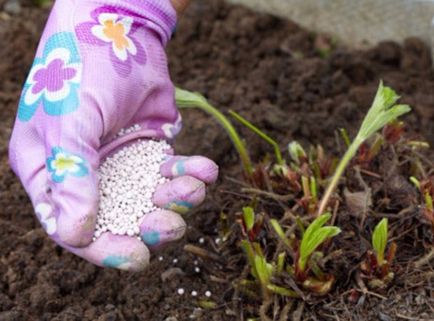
{"x": 128, "y": 180}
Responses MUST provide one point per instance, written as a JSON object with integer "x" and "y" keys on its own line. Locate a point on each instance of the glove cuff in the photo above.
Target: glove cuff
{"x": 159, "y": 14}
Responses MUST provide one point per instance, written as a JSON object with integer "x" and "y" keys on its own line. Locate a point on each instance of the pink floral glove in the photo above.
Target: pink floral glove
{"x": 101, "y": 67}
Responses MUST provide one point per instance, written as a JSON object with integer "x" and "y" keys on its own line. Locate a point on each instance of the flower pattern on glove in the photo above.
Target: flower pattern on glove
{"x": 170, "y": 130}
{"x": 63, "y": 163}
{"x": 114, "y": 28}
{"x": 53, "y": 80}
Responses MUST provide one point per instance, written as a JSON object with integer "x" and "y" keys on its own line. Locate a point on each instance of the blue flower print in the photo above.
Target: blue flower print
{"x": 63, "y": 163}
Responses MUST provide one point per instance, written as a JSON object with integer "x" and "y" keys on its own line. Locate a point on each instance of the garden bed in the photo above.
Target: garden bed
{"x": 293, "y": 84}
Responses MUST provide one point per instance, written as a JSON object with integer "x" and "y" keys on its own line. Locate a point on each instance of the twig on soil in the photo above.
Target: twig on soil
{"x": 296, "y": 316}
{"x": 275, "y": 196}
{"x": 236, "y": 181}
{"x": 218, "y": 280}
{"x": 369, "y": 173}
{"x": 335, "y": 212}
{"x": 334, "y": 255}
{"x": 263, "y": 310}
{"x": 424, "y": 260}
{"x": 425, "y": 159}
{"x": 285, "y": 311}
{"x": 203, "y": 253}
{"x": 363, "y": 289}
{"x": 420, "y": 279}
{"x": 401, "y": 316}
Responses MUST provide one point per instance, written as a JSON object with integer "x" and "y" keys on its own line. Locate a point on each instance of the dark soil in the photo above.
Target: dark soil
{"x": 292, "y": 83}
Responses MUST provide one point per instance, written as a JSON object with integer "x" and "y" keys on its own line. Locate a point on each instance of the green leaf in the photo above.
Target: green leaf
{"x": 296, "y": 152}
{"x": 415, "y": 182}
{"x": 261, "y": 134}
{"x": 249, "y": 217}
{"x": 187, "y": 99}
{"x": 313, "y": 187}
{"x": 250, "y": 253}
{"x": 282, "y": 291}
{"x": 279, "y": 231}
{"x": 379, "y": 240}
{"x": 281, "y": 262}
{"x": 314, "y": 236}
{"x": 207, "y": 304}
{"x": 264, "y": 270}
{"x": 382, "y": 112}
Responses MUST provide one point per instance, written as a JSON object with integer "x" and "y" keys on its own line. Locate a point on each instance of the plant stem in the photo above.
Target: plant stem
{"x": 186, "y": 99}
{"x": 349, "y": 154}
{"x": 261, "y": 134}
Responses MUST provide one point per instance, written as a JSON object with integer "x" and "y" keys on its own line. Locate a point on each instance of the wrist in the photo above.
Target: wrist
{"x": 159, "y": 15}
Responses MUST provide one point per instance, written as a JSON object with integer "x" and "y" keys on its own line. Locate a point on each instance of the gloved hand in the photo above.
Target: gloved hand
{"x": 101, "y": 67}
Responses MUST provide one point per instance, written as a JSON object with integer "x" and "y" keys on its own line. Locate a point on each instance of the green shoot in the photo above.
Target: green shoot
{"x": 281, "y": 262}
{"x": 418, "y": 144}
{"x": 313, "y": 237}
{"x": 429, "y": 202}
{"x": 264, "y": 270}
{"x": 313, "y": 188}
{"x": 187, "y": 99}
{"x": 296, "y": 152}
{"x": 261, "y": 134}
{"x": 282, "y": 291}
{"x": 379, "y": 240}
{"x": 306, "y": 187}
{"x": 248, "y": 217}
{"x": 261, "y": 270}
{"x": 250, "y": 253}
{"x": 279, "y": 231}
{"x": 426, "y": 188}
{"x": 345, "y": 137}
{"x": 383, "y": 111}
{"x": 415, "y": 182}
{"x": 207, "y": 304}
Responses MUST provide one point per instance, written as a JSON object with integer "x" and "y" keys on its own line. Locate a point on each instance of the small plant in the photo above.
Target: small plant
{"x": 297, "y": 153}
{"x": 251, "y": 224}
{"x": 313, "y": 237}
{"x": 379, "y": 241}
{"x": 377, "y": 265}
{"x": 383, "y": 111}
{"x": 306, "y": 269}
{"x": 426, "y": 189}
{"x": 263, "y": 272}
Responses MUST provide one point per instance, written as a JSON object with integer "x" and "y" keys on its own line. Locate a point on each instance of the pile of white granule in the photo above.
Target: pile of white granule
{"x": 128, "y": 180}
